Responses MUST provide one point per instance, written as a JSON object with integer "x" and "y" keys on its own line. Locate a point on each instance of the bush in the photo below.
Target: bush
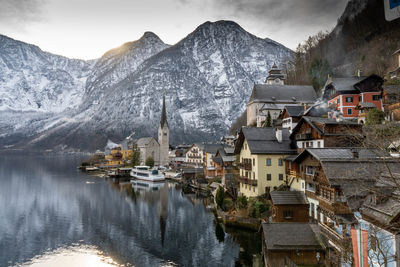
{"x": 219, "y": 197}
{"x": 228, "y": 204}
{"x": 375, "y": 116}
{"x": 242, "y": 202}
{"x": 150, "y": 162}
{"x": 259, "y": 208}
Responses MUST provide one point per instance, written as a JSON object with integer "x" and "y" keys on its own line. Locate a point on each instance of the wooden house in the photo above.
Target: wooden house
{"x": 391, "y": 102}
{"x": 289, "y": 206}
{"x": 291, "y": 115}
{"x": 294, "y": 244}
{"x": 315, "y": 132}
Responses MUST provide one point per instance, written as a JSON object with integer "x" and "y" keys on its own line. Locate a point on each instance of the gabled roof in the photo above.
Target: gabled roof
{"x": 282, "y": 93}
{"x": 294, "y": 111}
{"x": 145, "y": 141}
{"x": 288, "y": 198}
{"x": 318, "y": 124}
{"x": 263, "y": 141}
{"x": 293, "y": 236}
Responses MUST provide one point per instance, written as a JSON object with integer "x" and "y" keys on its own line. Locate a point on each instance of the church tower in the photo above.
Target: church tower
{"x": 275, "y": 76}
{"x": 163, "y": 136}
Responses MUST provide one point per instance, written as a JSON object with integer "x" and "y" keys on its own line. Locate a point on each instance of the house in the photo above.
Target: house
{"x": 195, "y": 154}
{"x": 289, "y": 206}
{"x": 380, "y": 216}
{"x": 344, "y": 94}
{"x": 210, "y": 168}
{"x": 290, "y": 116}
{"x": 294, "y": 244}
{"x": 395, "y": 73}
{"x": 228, "y": 140}
{"x": 261, "y": 152}
{"x": 391, "y": 102}
{"x": 272, "y": 96}
{"x": 337, "y": 181}
{"x": 126, "y": 150}
{"x": 322, "y": 132}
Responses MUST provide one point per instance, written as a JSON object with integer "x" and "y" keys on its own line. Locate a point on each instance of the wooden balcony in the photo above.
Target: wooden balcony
{"x": 334, "y": 207}
{"x": 245, "y": 166}
{"x": 294, "y": 173}
{"x": 304, "y": 136}
{"x": 191, "y": 156}
{"x": 248, "y": 181}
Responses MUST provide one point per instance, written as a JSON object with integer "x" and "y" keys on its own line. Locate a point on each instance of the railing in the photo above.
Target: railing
{"x": 194, "y": 156}
{"x": 304, "y": 136}
{"x": 293, "y": 173}
{"x": 248, "y": 181}
{"x": 335, "y": 207}
{"x": 245, "y": 166}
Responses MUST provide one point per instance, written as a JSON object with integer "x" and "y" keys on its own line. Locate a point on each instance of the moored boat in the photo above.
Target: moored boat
{"x": 146, "y": 174}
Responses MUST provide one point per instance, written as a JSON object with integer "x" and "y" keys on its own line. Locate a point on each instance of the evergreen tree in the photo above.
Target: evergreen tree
{"x": 150, "y": 162}
{"x": 219, "y": 197}
{"x": 135, "y": 160}
{"x": 268, "y": 121}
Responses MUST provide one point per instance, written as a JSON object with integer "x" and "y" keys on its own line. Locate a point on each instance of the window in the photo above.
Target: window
{"x": 319, "y": 144}
{"x": 349, "y": 111}
{"x": 287, "y": 214}
{"x": 376, "y": 97}
{"x": 302, "y": 185}
{"x": 268, "y": 177}
{"x": 254, "y": 162}
{"x": 310, "y": 170}
{"x": 268, "y": 162}
{"x": 338, "y": 100}
{"x": 254, "y": 175}
{"x": 359, "y": 99}
{"x": 349, "y": 99}
{"x": 280, "y": 177}
{"x": 280, "y": 162}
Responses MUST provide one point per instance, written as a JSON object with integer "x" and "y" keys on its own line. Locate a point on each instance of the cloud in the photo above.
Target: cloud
{"x": 17, "y": 13}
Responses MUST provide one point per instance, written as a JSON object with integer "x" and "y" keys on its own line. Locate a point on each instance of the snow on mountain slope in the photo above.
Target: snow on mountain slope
{"x": 34, "y": 80}
{"x": 207, "y": 78}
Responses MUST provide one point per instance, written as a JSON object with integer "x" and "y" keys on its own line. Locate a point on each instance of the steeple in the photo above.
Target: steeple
{"x": 163, "y": 114}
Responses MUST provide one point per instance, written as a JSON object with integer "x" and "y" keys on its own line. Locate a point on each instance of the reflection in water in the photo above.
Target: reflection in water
{"x": 46, "y": 204}
{"x": 72, "y": 256}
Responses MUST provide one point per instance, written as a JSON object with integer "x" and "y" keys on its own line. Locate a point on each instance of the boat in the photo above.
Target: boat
{"x": 146, "y": 185}
{"x": 145, "y": 173}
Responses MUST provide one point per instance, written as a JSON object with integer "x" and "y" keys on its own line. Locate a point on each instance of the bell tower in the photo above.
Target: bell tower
{"x": 163, "y": 136}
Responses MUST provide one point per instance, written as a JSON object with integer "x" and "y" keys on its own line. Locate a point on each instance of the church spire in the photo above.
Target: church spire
{"x": 163, "y": 114}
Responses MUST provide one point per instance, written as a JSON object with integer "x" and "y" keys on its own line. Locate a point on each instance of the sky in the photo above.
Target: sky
{"x": 86, "y": 29}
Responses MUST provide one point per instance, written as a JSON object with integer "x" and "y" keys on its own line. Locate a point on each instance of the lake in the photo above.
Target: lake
{"x": 51, "y": 214}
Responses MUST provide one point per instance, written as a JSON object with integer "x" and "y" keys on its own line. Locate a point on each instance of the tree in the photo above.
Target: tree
{"x": 135, "y": 156}
{"x": 150, "y": 162}
{"x": 268, "y": 121}
{"x": 219, "y": 197}
{"x": 375, "y": 116}
{"x": 318, "y": 73}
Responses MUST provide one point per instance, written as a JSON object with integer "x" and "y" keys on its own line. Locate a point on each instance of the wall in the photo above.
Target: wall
{"x": 245, "y": 189}
{"x": 261, "y": 171}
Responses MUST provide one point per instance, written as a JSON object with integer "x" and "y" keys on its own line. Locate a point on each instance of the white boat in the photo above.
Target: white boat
{"x": 146, "y": 186}
{"x": 146, "y": 174}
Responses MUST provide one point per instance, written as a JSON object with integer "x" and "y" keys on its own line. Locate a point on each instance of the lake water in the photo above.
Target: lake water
{"x": 53, "y": 215}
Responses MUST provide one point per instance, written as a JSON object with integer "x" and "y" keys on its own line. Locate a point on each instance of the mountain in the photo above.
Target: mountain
{"x": 206, "y": 77}
{"x": 362, "y": 39}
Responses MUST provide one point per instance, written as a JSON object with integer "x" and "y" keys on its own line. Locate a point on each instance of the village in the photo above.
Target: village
{"x": 319, "y": 176}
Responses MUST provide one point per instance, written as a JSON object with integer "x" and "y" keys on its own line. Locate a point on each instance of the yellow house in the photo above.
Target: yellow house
{"x": 126, "y": 150}
{"x": 262, "y": 152}
{"x": 114, "y": 157}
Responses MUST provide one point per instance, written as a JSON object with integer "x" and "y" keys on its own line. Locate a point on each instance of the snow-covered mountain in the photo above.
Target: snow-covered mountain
{"x": 207, "y": 79}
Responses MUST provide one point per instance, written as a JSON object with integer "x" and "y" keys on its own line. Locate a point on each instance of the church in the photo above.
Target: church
{"x": 150, "y": 147}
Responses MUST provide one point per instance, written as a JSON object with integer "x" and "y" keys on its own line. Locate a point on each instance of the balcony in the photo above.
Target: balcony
{"x": 191, "y": 156}
{"x": 245, "y": 166}
{"x": 305, "y": 136}
{"x": 294, "y": 173}
{"x": 248, "y": 181}
{"x": 334, "y": 207}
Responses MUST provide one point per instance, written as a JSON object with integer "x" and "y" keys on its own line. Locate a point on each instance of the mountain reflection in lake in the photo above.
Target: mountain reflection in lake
{"x": 50, "y": 212}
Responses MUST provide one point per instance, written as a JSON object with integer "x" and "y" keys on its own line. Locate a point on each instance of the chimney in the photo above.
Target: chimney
{"x": 278, "y": 134}
{"x": 355, "y": 153}
{"x": 359, "y": 73}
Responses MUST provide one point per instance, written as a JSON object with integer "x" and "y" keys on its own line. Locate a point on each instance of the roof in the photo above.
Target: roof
{"x": 163, "y": 114}
{"x": 344, "y": 153}
{"x": 345, "y": 83}
{"x": 145, "y": 141}
{"x": 213, "y": 148}
{"x": 282, "y": 93}
{"x": 288, "y": 198}
{"x": 293, "y": 236}
{"x": 294, "y": 111}
{"x": 263, "y": 141}
{"x": 318, "y": 124}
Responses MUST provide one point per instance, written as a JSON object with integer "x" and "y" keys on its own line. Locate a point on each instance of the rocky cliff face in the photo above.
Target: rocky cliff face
{"x": 207, "y": 79}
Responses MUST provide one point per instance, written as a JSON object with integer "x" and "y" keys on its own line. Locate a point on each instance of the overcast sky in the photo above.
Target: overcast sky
{"x": 88, "y": 28}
